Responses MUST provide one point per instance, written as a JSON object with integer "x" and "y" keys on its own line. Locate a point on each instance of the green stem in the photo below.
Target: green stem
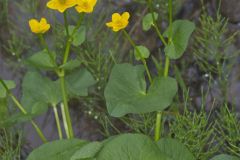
{"x": 64, "y": 120}
{"x": 139, "y": 54}
{"x": 57, "y": 121}
{"x": 67, "y": 51}
{"x": 66, "y": 23}
{"x": 166, "y": 68}
{"x": 21, "y": 108}
{"x": 66, "y": 107}
{"x": 167, "y": 61}
{"x": 39, "y": 132}
{"x": 155, "y": 23}
{"x": 44, "y": 44}
{"x": 158, "y": 126}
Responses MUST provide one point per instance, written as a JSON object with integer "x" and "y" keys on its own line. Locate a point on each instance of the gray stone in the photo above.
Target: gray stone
{"x": 231, "y": 10}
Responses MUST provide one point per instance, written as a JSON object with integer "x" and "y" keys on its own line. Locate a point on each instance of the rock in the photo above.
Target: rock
{"x": 231, "y": 10}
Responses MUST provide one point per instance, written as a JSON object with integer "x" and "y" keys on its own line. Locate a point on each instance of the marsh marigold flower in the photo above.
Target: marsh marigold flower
{"x": 61, "y": 5}
{"x": 85, "y": 6}
{"x": 39, "y": 27}
{"x": 119, "y": 21}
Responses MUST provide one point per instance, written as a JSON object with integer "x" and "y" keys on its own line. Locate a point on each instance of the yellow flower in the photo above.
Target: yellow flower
{"x": 39, "y": 27}
{"x": 86, "y": 6}
{"x": 119, "y": 21}
{"x": 61, "y": 5}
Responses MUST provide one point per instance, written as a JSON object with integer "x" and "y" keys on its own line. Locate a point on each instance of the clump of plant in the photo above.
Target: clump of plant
{"x": 131, "y": 89}
{"x": 213, "y": 50}
{"x": 196, "y": 130}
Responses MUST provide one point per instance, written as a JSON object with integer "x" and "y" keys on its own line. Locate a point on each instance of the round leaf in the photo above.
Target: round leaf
{"x": 144, "y": 52}
{"x": 130, "y": 147}
{"x": 126, "y": 91}
{"x": 180, "y": 34}
{"x": 174, "y": 149}
{"x": 57, "y": 150}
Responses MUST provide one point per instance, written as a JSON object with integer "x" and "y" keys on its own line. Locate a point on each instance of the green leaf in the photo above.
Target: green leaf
{"x": 10, "y": 85}
{"x": 42, "y": 60}
{"x": 144, "y": 52}
{"x": 131, "y": 147}
{"x": 79, "y": 36}
{"x": 78, "y": 82}
{"x": 70, "y": 65}
{"x": 180, "y": 35}
{"x": 174, "y": 149}
{"x": 87, "y": 151}
{"x": 148, "y": 21}
{"x": 57, "y": 150}
{"x": 38, "y": 92}
{"x": 225, "y": 157}
{"x": 126, "y": 91}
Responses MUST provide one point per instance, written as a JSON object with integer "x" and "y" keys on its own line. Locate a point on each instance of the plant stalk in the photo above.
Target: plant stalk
{"x": 139, "y": 54}
{"x": 66, "y": 107}
{"x": 57, "y": 121}
{"x": 21, "y": 108}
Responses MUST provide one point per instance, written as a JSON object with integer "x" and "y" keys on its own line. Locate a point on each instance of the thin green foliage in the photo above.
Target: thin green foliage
{"x": 196, "y": 130}
{"x": 228, "y": 128}
{"x": 10, "y": 145}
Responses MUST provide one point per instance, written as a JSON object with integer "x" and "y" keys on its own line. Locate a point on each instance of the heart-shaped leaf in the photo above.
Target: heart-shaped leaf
{"x": 130, "y": 147}
{"x": 126, "y": 91}
{"x": 79, "y": 35}
{"x": 57, "y": 150}
{"x": 179, "y": 35}
{"x": 38, "y": 92}
{"x": 78, "y": 82}
{"x": 87, "y": 151}
{"x": 148, "y": 21}
{"x": 174, "y": 149}
{"x": 42, "y": 60}
{"x": 70, "y": 65}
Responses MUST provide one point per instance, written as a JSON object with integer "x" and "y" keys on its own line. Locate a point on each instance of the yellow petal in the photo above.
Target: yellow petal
{"x": 93, "y": 3}
{"x": 53, "y": 4}
{"x": 43, "y": 21}
{"x": 109, "y": 24}
{"x": 34, "y": 25}
{"x": 116, "y": 16}
{"x": 125, "y": 15}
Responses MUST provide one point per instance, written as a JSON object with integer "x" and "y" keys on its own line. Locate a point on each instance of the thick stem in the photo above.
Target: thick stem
{"x": 21, "y": 108}
{"x": 57, "y": 121}
{"x": 65, "y": 121}
{"x": 167, "y": 62}
{"x": 66, "y": 107}
{"x": 139, "y": 54}
{"x": 158, "y": 126}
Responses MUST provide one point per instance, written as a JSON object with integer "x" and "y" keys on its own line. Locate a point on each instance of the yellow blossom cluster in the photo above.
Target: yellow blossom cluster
{"x": 118, "y": 22}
